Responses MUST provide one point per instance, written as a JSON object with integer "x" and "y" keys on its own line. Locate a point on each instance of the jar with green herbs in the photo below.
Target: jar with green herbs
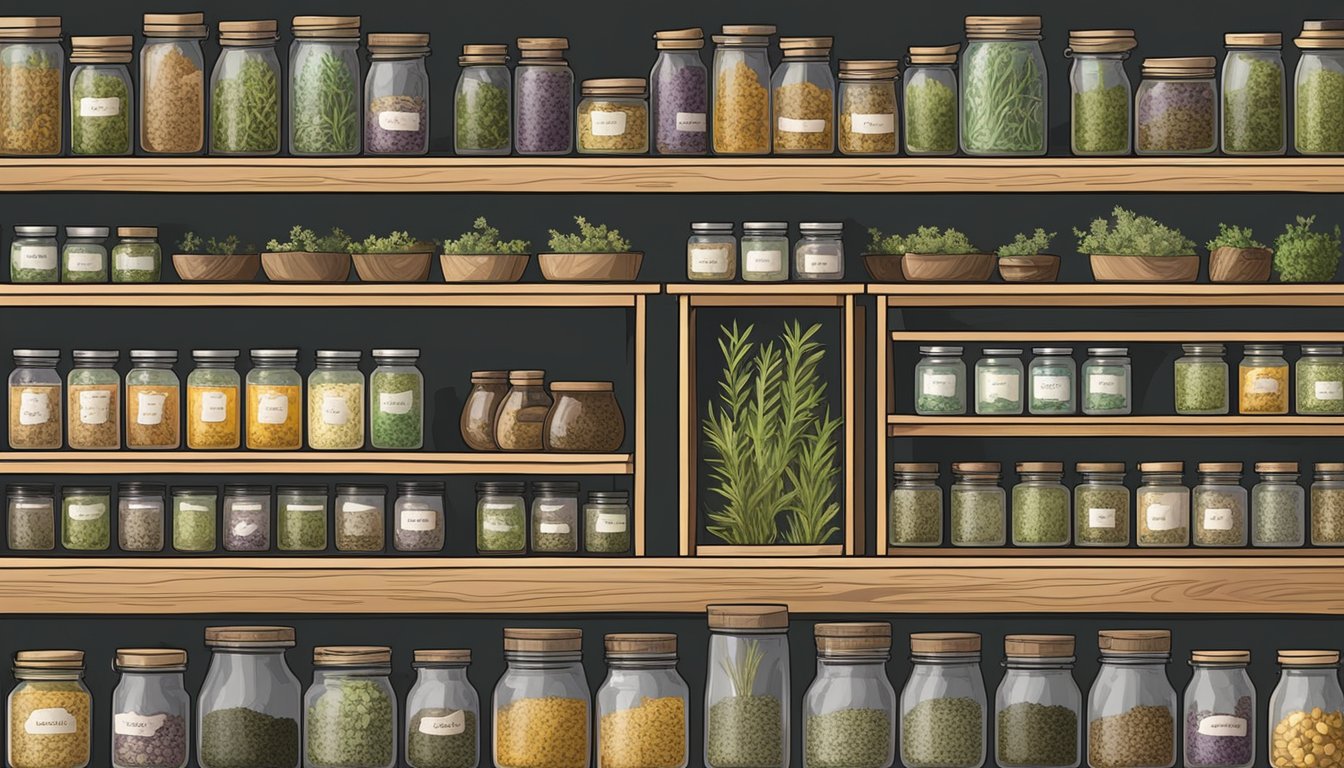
{"x": 350, "y": 710}
{"x": 86, "y": 517}
{"x": 418, "y": 516}
{"x": 172, "y": 84}
{"x": 741, "y": 90}
{"x": 979, "y": 505}
{"x": 1038, "y": 708}
{"x": 396, "y": 401}
{"x": 1052, "y": 375}
{"x": 140, "y": 517}
{"x": 50, "y": 711}
{"x": 301, "y": 518}
{"x": 361, "y": 512}
{"x": 803, "y": 97}
{"x": 711, "y": 252}
{"x": 849, "y": 710}
{"x": 931, "y": 100}
{"x": 35, "y": 400}
{"x": 136, "y": 258}
{"x": 1327, "y": 505}
{"x": 100, "y": 96}
{"x": 520, "y": 420}
{"x": 1163, "y": 505}
{"x": 443, "y": 712}
{"x": 606, "y": 523}
{"x": 245, "y": 90}
{"x": 583, "y": 418}
{"x": 324, "y": 86}
{"x": 765, "y": 251}
{"x": 915, "y": 507}
{"x": 195, "y": 511}
{"x": 867, "y": 107}
{"x": 1320, "y": 380}
{"x": 1102, "y": 103}
{"x": 153, "y": 401}
{"x": 501, "y": 518}
{"x": 93, "y": 401}
{"x": 1218, "y": 506}
{"x": 31, "y": 81}
{"x": 943, "y": 722}
{"x": 1107, "y": 382}
{"x": 1255, "y": 111}
{"x": 336, "y": 402}
{"x": 1319, "y": 88}
{"x": 747, "y": 690}
{"x": 483, "y": 102}
{"x": 1003, "y": 87}
{"x": 30, "y": 521}
{"x": 250, "y": 703}
{"x": 84, "y": 255}
{"x": 477, "y": 422}
{"x": 33, "y": 256}
{"x": 247, "y": 518}
{"x": 1101, "y": 505}
{"x": 555, "y": 516}
{"x": 613, "y": 116}
{"x": 213, "y": 394}
{"x": 1176, "y": 107}
{"x": 940, "y": 382}
{"x": 1278, "y": 506}
{"x": 1201, "y": 380}
{"x": 998, "y": 383}
{"x": 396, "y": 95}
{"x": 1040, "y": 505}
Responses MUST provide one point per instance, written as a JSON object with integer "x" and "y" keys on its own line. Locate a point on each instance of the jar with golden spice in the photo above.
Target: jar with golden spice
{"x": 803, "y": 95}
{"x": 274, "y": 408}
{"x": 488, "y": 388}
{"x": 643, "y": 705}
{"x": 584, "y": 418}
{"x": 520, "y": 421}
{"x": 742, "y": 90}
{"x": 93, "y": 395}
{"x": 542, "y": 701}
{"x": 50, "y": 711}
{"x": 153, "y": 401}
{"x": 614, "y": 116}
{"x": 35, "y": 400}
{"x": 212, "y": 401}
{"x": 868, "y": 122}
{"x": 172, "y": 84}
{"x": 32, "y": 80}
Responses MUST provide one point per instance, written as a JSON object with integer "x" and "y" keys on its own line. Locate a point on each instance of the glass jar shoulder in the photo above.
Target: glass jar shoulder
{"x": 151, "y": 377}
{"x": 274, "y": 377}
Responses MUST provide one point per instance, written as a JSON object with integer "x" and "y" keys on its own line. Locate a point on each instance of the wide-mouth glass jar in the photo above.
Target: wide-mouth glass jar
{"x": 915, "y": 507}
{"x": 247, "y": 518}
{"x": 324, "y": 86}
{"x": 803, "y": 97}
{"x": 584, "y": 418}
{"x": 998, "y": 382}
{"x": 679, "y": 93}
{"x": 1255, "y": 112}
{"x": 31, "y": 518}
{"x": 396, "y": 95}
{"x": 150, "y": 709}
{"x": 1201, "y": 380}
{"x": 443, "y": 712}
{"x": 614, "y": 116}
{"x": 86, "y": 517}
{"x": 867, "y": 107}
{"x": 250, "y": 704}
{"x": 336, "y": 402}
{"x": 1051, "y": 375}
{"x": 931, "y": 100}
{"x": 742, "y": 89}
{"x": 33, "y": 255}
{"x": 153, "y": 401}
{"x": 643, "y": 705}
{"x": 1306, "y": 703}
{"x": 555, "y": 516}
{"x": 521, "y": 416}
{"x": 245, "y": 90}
{"x": 1176, "y": 107}
{"x": 32, "y": 65}
{"x": 350, "y": 710}
{"x": 1220, "y": 721}
{"x": 360, "y": 514}
{"x": 711, "y": 252}
{"x": 301, "y": 518}
{"x": 477, "y": 422}
{"x": 1041, "y": 515}
{"x": 1131, "y": 709}
{"x": 819, "y": 253}
{"x": 1327, "y": 505}
{"x": 274, "y": 409}
{"x": 1316, "y": 83}
{"x": 747, "y": 691}
{"x": 979, "y": 505}
{"x": 1101, "y": 505}
{"x": 1038, "y": 707}
{"x": 1263, "y": 381}
{"x": 396, "y": 401}
{"x": 93, "y": 390}
{"x": 137, "y": 258}
{"x": 1003, "y": 87}
{"x": 1320, "y": 380}
{"x": 212, "y": 400}
{"x": 35, "y": 400}
{"x": 100, "y": 96}
{"x": 541, "y": 702}
{"x": 543, "y": 93}
{"x": 606, "y": 523}
{"x": 501, "y": 518}
{"x": 943, "y": 722}
{"x": 1163, "y": 505}
{"x": 172, "y": 84}
{"x": 84, "y": 255}
{"x": 1278, "y": 506}
{"x": 1107, "y": 382}
{"x": 483, "y": 102}
{"x": 50, "y": 711}
{"x": 195, "y": 510}
{"x": 765, "y": 251}
{"x": 849, "y": 710}
{"x": 1102, "y": 103}
{"x": 1218, "y": 506}
{"x": 940, "y": 382}
{"x": 418, "y": 515}
{"x": 140, "y": 516}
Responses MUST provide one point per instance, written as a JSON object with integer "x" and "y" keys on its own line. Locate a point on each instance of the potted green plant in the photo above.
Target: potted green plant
{"x": 1235, "y": 256}
{"x": 944, "y": 256}
{"x": 393, "y": 258}
{"x": 1024, "y": 260}
{"x": 1138, "y": 249}
{"x": 1304, "y": 256}
{"x": 307, "y": 258}
{"x": 215, "y": 260}
{"x": 593, "y": 253}
{"x": 480, "y": 256}
{"x": 883, "y": 256}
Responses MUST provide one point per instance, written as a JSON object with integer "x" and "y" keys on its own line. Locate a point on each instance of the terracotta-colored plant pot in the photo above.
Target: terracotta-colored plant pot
{"x": 1240, "y": 265}
{"x": 884, "y": 267}
{"x": 393, "y": 267}
{"x": 304, "y": 267}
{"x": 1109, "y": 268}
{"x": 1041, "y": 268}
{"x": 598, "y": 267}
{"x": 948, "y": 268}
{"x": 203, "y": 267}
{"x": 483, "y": 267}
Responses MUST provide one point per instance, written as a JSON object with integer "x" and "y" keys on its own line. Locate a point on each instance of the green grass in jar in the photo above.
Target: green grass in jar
{"x": 1003, "y": 89}
{"x": 21, "y": 274}
{"x": 387, "y": 428}
{"x": 851, "y": 737}
{"x": 246, "y": 110}
{"x": 85, "y": 523}
{"x": 482, "y": 116}
{"x": 599, "y": 534}
{"x": 1201, "y": 387}
{"x": 122, "y": 274}
{"x": 325, "y": 112}
{"x": 943, "y": 732}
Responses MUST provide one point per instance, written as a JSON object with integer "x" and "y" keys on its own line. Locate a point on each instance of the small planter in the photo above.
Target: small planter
{"x": 884, "y": 267}
{"x": 305, "y": 267}
{"x": 1041, "y": 268}
{"x": 1109, "y": 268}
{"x": 599, "y": 267}
{"x": 948, "y": 268}
{"x": 483, "y": 267}
{"x": 1240, "y": 265}
{"x": 403, "y": 267}
{"x": 205, "y": 267}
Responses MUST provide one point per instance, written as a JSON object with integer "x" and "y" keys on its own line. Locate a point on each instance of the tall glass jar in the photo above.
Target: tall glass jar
{"x": 33, "y": 256}
{"x": 172, "y": 84}
{"x": 137, "y": 258}
{"x": 1101, "y": 505}
{"x": 1306, "y": 704}
{"x": 195, "y": 512}
{"x": 150, "y": 709}
{"x": 396, "y": 95}
{"x": 998, "y": 383}
{"x": 153, "y": 401}
{"x": 1102, "y": 103}
{"x": 742, "y": 90}
{"x": 50, "y": 711}
{"x": 1319, "y": 374}
{"x": 30, "y": 521}
{"x": 747, "y": 691}
{"x": 100, "y": 96}
{"x": 765, "y": 251}
{"x": 931, "y": 100}
{"x": 543, "y": 92}
{"x": 868, "y": 124}
{"x": 1163, "y": 505}
{"x": 1220, "y": 711}
{"x": 679, "y": 93}
{"x": 32, "y": 64}
{"x": 324, "y": 83}
{"x": 247, "y": 518}
{"x": 1038, "y": 707}
{"x": 84, "y": 255}
{"x": 86, "y": 512}
{"x": 501, "y": 518}
{"x": 555, "y": 516}
{"x": 820, "y": 251}
{"x": 1255, "y": 111}
{"x": 483, "y": 102}
{"x": 542, "y": 701}
{"x": 1003, "y": 87}
{"x": 93, "y": 397}
{"x": 477, "y": 422}
{"x": 1040, "y": 505}
{"x": 522, "y": 413}
{"x": 1316, "y": 85}
{"x": 613, "y": 116}
{"x": 35, "y": 400}
{"x": 979, "y": 505}
{"x": 336, "y": 401}
{"x": 245, "y": 90}
{"x": 1107, "y": 382}
{"x": 273, "y": 403}
{"x": 396, "y": 401}
{"x": 212, "y": 401}
{"x": 711, "y": 252}
{"x": 443, "y": 712}
{"x": 849, "y": 710}
{"x": 140, "y": 516}
{"x": 606, "y": 523}
{"x": 301, "y": 518}
{"x": 1263, "y": 381}
{"x": 803, "y": 97}
{"x": 1327, "y": 505}
{"x": 350, "y": 710}
{"x": 1176, "y": 107}
{"x": 250, "y": 704}
{"x": 1218, "y": 506}
{"x": 1131, "y": 709}
{"x": 940, "y": 382}
{"x": 1052, "y": 375}
{"x": 361, "y": 512}
{"x": 1278, "y": 506}
{"x": 418, "y": 516}
{"x": 1201, "y": 380}
{"x": 943, "y": 722}
{"x": 915, "y": 507}
{"x": 643, "y": 705}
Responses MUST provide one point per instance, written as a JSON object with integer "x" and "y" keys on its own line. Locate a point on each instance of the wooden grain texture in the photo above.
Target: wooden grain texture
{"x": 313, "y": 462}
{"x": 1176, "y": 337}
{"x": 881, "y": 407}
{"x": 328, "y": 294}
{"x": 743, "y": 291}
{"x": 687, "y": 436}
{"x": 1110, "y": 295}
{"x": 903, "y": 425}
{"x": 641, "y": 341}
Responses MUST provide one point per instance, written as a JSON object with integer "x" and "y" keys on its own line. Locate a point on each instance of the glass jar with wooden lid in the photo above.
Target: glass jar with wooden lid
{"x": 245, "y": 90}
{"x": 643, "y": 705}
{"x": 803, "y": 97}
{"x": 584, "y": 418}
{"x": 1101, "y": 505}
{"x": 1101, "y": 111}
{"x": 849, "y": 710}
{"x": 324, "y": 86}
{"x": 443, "y": 712}
{"x": 679, "y": 93}
{"x": 1038, "y": 707}
{"x": 1163, "y": 505}
{"x": 1004, "y": 89}
{"x": 867, "y": 107}
{"x": 1176, "y": 107}
{"x": 1319, "y": 79}
{"x": 979, "y": 505}
{"x": 541, "y": 703}
{"x": 101, "y": 106}
{"x": 396, "y": 95}
{"x": 915, "y": 506}
{"x": 747, "y": 692}
{"x": 543, "y": 92}
{"x": 930, "y": 101}
{"x": 1218, "y": 506}
{"x": 614, "y": 116}
{"x": 520, "y": 420}
{"x": 1278, "y": 506}
{"x": 1327, "y": 505}
{"x": 50, "y": 711}
{"x": 172, "y": 84}
{"x": 250, "y": 704}
{"x": 1306, "y": 703}
{"x": 1220, "y": 711}
{"x": 1131, "y": 708}
{"x": 943, "y": 702}
{"x": 1041, "y": 505}
{"x": 150, "y": 709}
{"x": 742, "y": 117}
{"x": 483, "y": 102}
{"x": 1255, "y": 113}
{"x": 350, "y": 710}
{"x": 477, "y": 422}
{"x": 33, "y": 80}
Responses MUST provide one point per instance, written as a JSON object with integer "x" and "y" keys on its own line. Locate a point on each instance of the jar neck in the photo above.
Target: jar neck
{"x": 1042, "y": 477}
{"x": 48, "y": 675}
{"x": 341, "y": 366}
{"x": 1099, "y": 478}
{"x": 553, "y": 660}
{"x": 1047, "y": 664}
{"x": 215, "y": 365}
{"x": 1161, "y": 478}
{"x": 169, "y": 676}
{"x": 138, "y": 240}
{"x": 1279, "y": 478}
{"x": 443, "y": 674}
{"x": 636, "y": 664}
{"x": 1219, "y": 479}
{"x": 1142, "y": 660}
{"x": 979, "y": 480}
{"x": 89, "y": 364}
{"x": 352, "y": 671}
{"x": 947, "y": 660}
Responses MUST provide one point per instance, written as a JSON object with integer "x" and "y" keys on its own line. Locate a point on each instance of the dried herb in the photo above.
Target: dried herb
{"x": 482, "y": 116}
{"x": 246, "y": 104}
{"x": 930, "y": 117}
{"x": 1320, "y": 102}
{"x": 1132, "y": 235}
{"x": 174, "y": 109}
{"x": 1234, "y": 237}
{"x": 100, "y": 119}
{"x": 922, "y": 240}
{"x": 393, "y": 242}
{"x": 1253, "y": 114}
{"x": 1038, "y": 243}
{"x": 1003, "y": 95}
{"x": 1101, "y": 120}
{"x": 484, "y": 239}
{"x": 30, "y": 103}
{"x": 324, "y": 112}
{"x": 304, "y": 240}
{"x": 192, "y": 243}
{"x": 589, "y": 239}
{"x": 1304, "y": 256}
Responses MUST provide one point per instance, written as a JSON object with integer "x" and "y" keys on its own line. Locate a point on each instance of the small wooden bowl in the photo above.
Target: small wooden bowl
{"x": 948, "y": 268}
{"x": 305, "y": 267}
{"x": 1109, "y": 268}
{"x": 393, "y": 267}
{"x": 597, "y": 267}
{"x": 202, "y": 267}
{"x": 1240, "y": 265}
{"x": 483, "y": 267}
{"x": 1041, "y": 268}
{"x": 884, "y": 267}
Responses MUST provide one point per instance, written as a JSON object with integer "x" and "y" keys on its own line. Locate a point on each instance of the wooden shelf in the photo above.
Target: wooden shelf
{"x": 906, "y": 295}
{"x": 328, "y": 295}
{"x": 820, "y": 294}
{"x": 1171, "y": 337}
{"x": 904, "y": 425}
{"x": 312, "y": 462}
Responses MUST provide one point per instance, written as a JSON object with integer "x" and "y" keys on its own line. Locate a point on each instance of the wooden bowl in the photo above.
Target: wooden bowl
{"x": 884, "y": 267}
{"x": 1041, "y": 268}
{"x": 1108, "y": 268}
{"x": 1240, "y": 265}
{"x": 304, "y": 267}
{"x": 598, "y": 267}
{"x": 235, "y": 268}
{"x": 948, "y": 268}
{"x": 393, "y": 267}
{"x": 483, "y": 267}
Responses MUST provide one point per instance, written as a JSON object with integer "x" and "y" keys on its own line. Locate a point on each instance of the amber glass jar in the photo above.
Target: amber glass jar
{"x": 520, "y": 421}
{"x": 585, "y": 418}
{"x": 488, "y": 388}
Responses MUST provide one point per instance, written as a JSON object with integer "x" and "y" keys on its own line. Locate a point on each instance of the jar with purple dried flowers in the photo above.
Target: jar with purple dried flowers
{"x": 396, "y": 94}
{"x": 679, "y": 91}
{"x": 543, "y": 92}
{"x": 1220, "y": 711}
{"x": 1176, "y": 108}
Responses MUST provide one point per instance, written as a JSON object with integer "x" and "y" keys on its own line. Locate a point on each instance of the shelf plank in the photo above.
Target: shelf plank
{"x": 328, "y": 295}
{"x": 905, "y": 425}
{"x": 904, "y": 295}
{"x": 312, "y": 462}
{"x": 1174, "y": 337}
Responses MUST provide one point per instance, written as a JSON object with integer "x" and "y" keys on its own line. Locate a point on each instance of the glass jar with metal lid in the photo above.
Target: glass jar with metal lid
{"x": 418, "y": 515}
{"x": 1052, "y": 374}
{"x": 1263, "y": 380}
{"x": 1320, "y": 380}
{"x": 35, "y": 400}
{"x": 742, "y": 89}
{"x": 940, "y": 382}
{"x": 360, "y": 514}
{"x": 803, "y": 97}
{"x": 1317, "y": 81}
{"x": 140, "y": 517}
{"x": 336, "y": 401}
{"x": 711, "y": 252}
{"x": 443, "y": 712}
{"x": 483, "y": 102}
{"x": 747, "y": 691}
{"x": 1306, "y": 704}
{"x": 555, "y": 516}
{"x": 324, "y": 86}
{"x": 93, "y": 394}
{"x": 172, "y": 84}
{"x": 33, "y": 256}
{"x": 868, "y": 121}
{"x": 301, "y": 518}
{"x": 477, "y": 422}
{"x": 1163, "y": 505}
{"x": 84, "y": 255}
{"x": 820, "y": 252}
{"x": 32, "y": 81}
{"x": 1327, "y": 505}
{"x": 1218, "y": 506}
{"x": 679, "y": 92}
{"x": 150, "y": 709}
{"x": 247, "y": 518}
{"x": 998, "y": 382}
{"x": 1040, "y": 505}
{"x": 1102, "y": 104}
{"x": 943, "y": 723}
{"x": 1278, "y": 506}
{"x": 979, "y": 505}
{"x": 153, "y": 401}
{"x": 1176, "y": 107}
{"x": 1101, "y": 505}
{"x": 1220, "y": 722}
{"x": 86, "y": 517}
{"x": 1003, "y": 87}
{"x": 274, "y": 409}
{"x": 606, "y": 523}
{"x": 915, "y": 507}
{"x": 245, "y": 90}
{"x": 350, "y": 710}
{"x": 396, "y": 95}
{"x": 849, "y": 710}
{"x": 31, "y": 516}
{"x": 396, "y": 401}
{"x": 643, "y": 705}
{"x": 1038, "y": 708}
{"x": 250, "y": 704}
{"x": 1131, "y": 709}
{"x": 100, "y": 96}
{"x": 1255, "y": 112}
{"x": 1107, "y": 386}
{"x": 614, "y": 116}
{"x": 541, "y": 702}
{"x": 931, "y": 100}
{"x": 213, "y": 389}
{"x": 1201, "y": 380}
{"x": 521, "y": 416}
{"x": 50, "y": 711}
{"x": 501, "y": 518}
{"x": 543, "y": 92}
{"x": 137, "y": 258}
{"x": 765, "y": 251}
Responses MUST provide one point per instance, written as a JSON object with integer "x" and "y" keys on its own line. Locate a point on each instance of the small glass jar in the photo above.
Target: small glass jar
{"x": 1320, "y": 380}
{"x": 521, "y": 417}
{"x": 396, "y": 95}
{"x": 100, "y": 96}
{"x": 250, "y": 704}
{"x": 33, "y": 255}
{"x": 350, "y": 710}
{"x": 868, "y": 107}
{"x": 679, "y": 93}
{"x": 614, "y": 116}
{"x": 137, "y": 258}
{"x": 541, "y": 702}
{"x": 1102, "y": 105}
{"x": 32, "y": 81}
{"x": 301, "y": 518}
{"x": 195, "y": 510}
{"x": 477, "y": 423}
{"x": 212, "y": 401}
{"x": 1255, "y": 111}
{"x": 940, "y": 382}
{"x": 555, "y": 516}
{"x": 50, "y": 711}
{"x": 1218, "y": 506}
{"x": 583, "y": 418}
{"x": 1327, "y": 506}
{"x": 1176, "y": 107}
{"x": 1003, "y": 87}
{"x": 1263, "y": 381}
{"x": 803, "y": 97}
{"x": 930, "y": 101}
{"x": 643, "y": 705}
{"x": 543, "y": 93}
{"x": 274, "y": 409}
{"x": 979, "y": 505}
{"x": 443, "y": 712}
{"x": 324, "y": 85}
{"x": 150, "y": 709}
{"x": 84, "y": 255}
{"x": 360, "y": 512}
{"x": 1220, "y": 711}
{"x": 1107, "y": 386}
{"x": 998, "y": 383}
{"x": 247, "y": 518}
{"x": 606, "y": 523}
{"x": 849, "y": 710}
{"x": 742, "y": 89}
{"x": 765, "y": 250}
{"x": 915, "y": 507}
{"x": 1201, "y": 380}
{"x": 418, "y": 515}
{"x": 93, "y": 395}
{"x": 31, "y": 519}
{"x": 1038, "y": 708}
{"x": 1052, "y": 374}
{"x": 1041, "y": 515}
{"x": 153, "y": 401}
{"x": 396, "y": 401}
{"x": 140, "y": 516}
{"x": 85, "y": 517}
{"x": 501, "y": 518}
{"x": 1163, "y": 505}
{"x": 711, "y": 252}
{"x": 172, "y": 84}
{"x": 336, "y": 402}
{"x": 1306, "y": 704}
{"x": 245, "y": 90}
{"x": 35, "y": 400}
{"x": 820, "y": 251}
{"x": 1278, "y": 506}
{"x": 747, "y": 688}
{"x": 1319, "y": 77}
{"x": 943, "y": 722}
{"x": 1131, "y": 709}
{"x": 1101, "y": 505}
{"x": 483, "y": 102}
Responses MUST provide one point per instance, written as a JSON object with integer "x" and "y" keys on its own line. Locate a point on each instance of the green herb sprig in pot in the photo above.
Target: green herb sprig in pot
{"x": 1138, "y": 249}
{"x": 883, "y": 256}
{"x": 940, "y": 255}
{"x": 307, "y": 257}
{"x": 393, "y": 258}
{"x": 225, "y": 259}
{"x": 594, "y": 252}
{"x": 1235, "y": 256}
{"x": 480, "y": 256}
{"x": 1025, "y": 260}
{"x": 1304, "y": 256}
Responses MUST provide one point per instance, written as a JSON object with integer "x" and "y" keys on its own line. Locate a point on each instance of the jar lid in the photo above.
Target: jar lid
{"x": 351, "y": 655}
{"x": 442, "y": 656}
{"x": 1108, "y": 351}
{"x": 1052, "y": 351}
{"x": 1101, "y": 40}
{"x": 326, "y": 26}
{"x": 614, "y": 86}
{"x": 1001, "y": 352}
{"x": 35, "y": 230}
{"x": 1322, "y": 349}
{"x": 138, "y": 488}
{"x": 274, "y": 356}
{"x": 301, "y": 490}
{"x": 391, "y": 40}
{"x": 711, "y": 226}
{"x": 1181, "y": 66}
{"x": 95, "y": 232}
{"x": 1253, "y": 40}
{"x": 150, "y": 658}
{"x": 1276, "y": 467}
{"x": 764, "y": 226}
{"x": 395, "y": 356}
{"x": 86, "y": 490}
{"x": 137, "y": 231}
{"x": 483, "y": 53}
{"x": 1264, "y": 349}
{"x": 581, "y": 386}
{"x": 526, "y": 377}
{"x": 420, "y": 487}
{"x": 500, "y": 488}
{"x": 530, "y": 640}
{"x": 923, "y": 55}
{"x": 214, "y": 354}
{"x": 821, "y": 227}
{"x": 31, "y": 489}
{"x": 96, "y": 356}
{"x": 1220, "y": 467}
{"x": 249, "y": 637}
{"x": 489, "y": 377}
{"x": 689, "y": 39}
{"x": 30, "y": 27}
{"x": 1003, "y": 27}
{"x": 1329, "y": 466}
{"x": 154, "y": 356}
{"x": 100, "y": 44}
{"x": 608, "y": 497}
{"x": 247, "y": 32}
{"x": 633, "y": 645}
{"x": 543, "y": 48}
{"x": 40, "y": 356}
{"x": 976, "y": 467}
{"x": 1321, "y": 34}
{"x": 184, "y": 25}
{"x": 1204, "y": 349}
{"x": 241, "y": 489}
{"x": 956, "y": 351}
{"x": 195, "y": 490}
{"x": 749, "y": 29}
{"x": 1040, "y": 466}
{"x": 1100, "y": 466}
{"x": 338, "y": 355}
{"x": 1162, "y": 466}
{"x": 765, "y": 616}
{"x": 353, "y": 489}
{"x": 1308, "y": 658}
{"x": 1220, "y": 657}
{"x": 916, "y": 468}
{"x": 1038, "y": 646}
{"x": 869, "y": 69}
{"x": 555, "y": 487}
{"x": 852, "y": 638}
{"x": 49, "y": 660}
{"x": 799, "y": 47}
{"x": 1134, "y": 640}
{"x": 922, "y": 643}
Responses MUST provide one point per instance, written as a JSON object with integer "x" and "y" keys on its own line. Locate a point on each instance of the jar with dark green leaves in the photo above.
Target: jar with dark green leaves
{"x": 1327, "y": 505}
{"x": 1038, "y": 708}
{"x": 1320, "y": 380}
{"x": 849, "y": 710}
{"x": 915, "y": 507}
{"x": 1318, "y": 87}
{"x": 1040, "y": 505}
{"x": 1003, "y": 87}
{"x": 501, "y": 518}
{"x": 396, "y": 401}
{"x": 482, "y": 104}
{"x": 1102, "y": 104}
{"x": 1101, "y": 505}
{"x": 84, "y": 255}
{"x": 1278, "y": 506}
{"x": 1163, "y": 505}
{"x": 1255, "y": 111}
{"x": 361, "y": 512}
{"x": 555, "y": 516}
{"x": 350, "y": 710}
{"x": 325, "y": 106}
{"x": 940, "y": 382}
{"x": 979, "y": 516}
{"x": 195, "y": 510}
{"x": 245, "y": 90}
{"x": 1218, "y": 506}
{"x": 101, "y": 104}
{"x": 86, "y": 517}
{"x": 136, "y": 258}
{"x": 1131, "y": 709}
{"x": 140, "y": 516}
{"x": 998, "y": 383}
{"x": 943, "y": 723}
{"x": 1052, "y": 378}
{"x": 33, "y": 257}
{"x": 250, "y": 704}
{"x": 1106, "y": 382}
{"x": 301, "y": 518}
{"x": 747, "y": 691}
{"x": 443, "y": 712}
{"x": 31, "y": 518}
{"x": 606, "y": 523}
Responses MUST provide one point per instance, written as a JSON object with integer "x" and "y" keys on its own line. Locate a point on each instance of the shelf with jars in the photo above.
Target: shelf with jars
{"x": 329, "y": 295}
{"x": 915, "y": 295}
{"x": 905, "y": 425}
{"x": 314, "y": 462}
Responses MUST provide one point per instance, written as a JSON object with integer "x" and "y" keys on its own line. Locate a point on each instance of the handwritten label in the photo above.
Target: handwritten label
{"x": 764, "y": 261}
{"x": 1101, "y": 518}
{"x": 419, "y": 519}
{"x": 395, "y": 403}
{"x": 1105, "y": 384}
{"x": 1223, "y": 725}
{"x": 1056, "y": 388}
{"x": 214, "y": 407}
{"x": 940, "y": 384}
{"x": 34, "y": 408}
{"x": 873, "y": 124}
{"x": 132, "y": 724}
{"x": 450, "y": 724}
{"x": 95, "y": 406}
{"x": 822, "y": 263}
{"x": 150, "y": 411}
{"x": 608, "y": 523}
{"x": 335, "y": 410}
{"x": 1330, "y": 390}
{"x": 37, "y": 257}
{"x": 691, "y": 122}
{"x": 1000, "y": 386}
{"x": 92, "y": 106}
{"x": 50, "y": 721}
{"x": 84, "y": 261}
{"x": 794, "y": 125}
{"x": 399, "y": 121}
{"x": 709, "y": 261}
{"x": 607, "y": 123}
{"x": 272, "y": 409}
{"x": 1217, "y": 519}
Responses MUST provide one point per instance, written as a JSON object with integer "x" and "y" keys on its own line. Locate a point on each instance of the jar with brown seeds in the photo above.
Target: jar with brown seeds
{"x": 614, "y": 117}
{"x": 172, "y": 84}
{"x": 477, "y": 422}
{"x": 868, "y": 122}
{"x": 1327, "y": 505}
{"x": 35, "y": 400}
{"x": 140, "y": 516}
{"x": 585, "y": 418}
{"x": 93, "y": 395}
{"x": 153, "y": 395}
{"x": 742, "y": 90}
{"x": 360, "y": 518}
{"x": 522, "y": 413}
{"x": 1132, "y": 706}
{"x": 1218, "y": 506}
{"x": 31, "y": 85}
{"x": 804, "y": 97}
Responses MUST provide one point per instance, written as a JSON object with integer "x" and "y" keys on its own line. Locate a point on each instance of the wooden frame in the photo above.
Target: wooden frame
{"x": 1038, "y": 295}
{"x": 903, "y": 425}
{"x": 576, "y": 295}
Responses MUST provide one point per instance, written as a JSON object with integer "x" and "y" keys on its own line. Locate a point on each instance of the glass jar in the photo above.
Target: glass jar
{"x": 543, "y": 92}
{"x": 1052, "y": 374}
{"x": 679, "y": 93}
{"x": 1320, "y": 380}
{"x": 360, "y": 512}
{"x": 247, "y": 518}
{"x": 998, "y": 383}
{"x": 1220, "y": 711}
{"x": 915, "y": 507}
{"x": 137, "y": 258}
{"x": 419, "y": 516}
{"x": 31, "y": 522}
{"x": 868, "y": 107}
{"x": 324, "y": 98}
{"x": 1278, "y": 506}
{"x": 1327, "y": 506}
{"x": 1107, "y": 382}
{"x": 520, "y": 420}
{"x": 85, "y": 523}
{"x": 483, "y": 102}
{"x": 212, "y": 401}
{"x": 1163, "y": 505}
{"x": 931, "y": 100}
{"x": 943, "y": 702}
{"x": 50, "y": 711}
{"x": 172, "y": 84}
{"x": 643, "y": 704}
{"x": 1176, "y": 107}
{"x": 1040, "y": 505}
{"x": 33, "y": 256}
{"x": 1201, "y": 380}
{"x": 940, "y": 382}
{"x": 555, "y": 516}
{"x": 336, "y": 402}
{"x": 820, "y": 251}
{"x": 140, "y": 517}
{"x": 1255, "y": 115}
{"x": 1038, "y": 707}
{"x": 301, "y": 518}
{"x": 93, "y": 394}
{"x": 195, "y": 510}
{"x": 1218, "y": 506}
{"x": 100, "y": 96}
{"x": 250, "y": 703}
{"x": 84, "y": 255}
{"x": 1102, "y": 107}
{"x": 583, "y": 418}
{"x": 803, "y": 97}
{"x": 501, "y": 518}
{"x": 1306, "y": 703}
{"x": 477, "y": 423}
{"x": 1131, "y": 709}
{"x": 443, "y": 712}
{"x": 1101, "y": 505}
{"x": 153, "y": 401}
{"x": 350, "y": 710}
{"x": 396, "y": 95}
{"x": 541, "y": 701}
{"x": 747, "y": 688}
{"x": 1003, "y": 87}
{"x": 31, "y": 73}
{"x": 1318, "y": 80}
{"x": 765, "y": 248}
{"x": 711, "y": 252}
{"x": 150, "y": 709}
{"x": 979, "y": 515}
{"x": 742, "y": 89}
{"x": 614, "y": 117}
{"x": 35, "y": 400}
{"x": 273, "y": 405}
{"x": 606, "y": 523}
{"x": 396, "y": 401}
{"x": 245, "y": 90}
{"x": 1263, "y": 381}
{"x": 849, "y": 710}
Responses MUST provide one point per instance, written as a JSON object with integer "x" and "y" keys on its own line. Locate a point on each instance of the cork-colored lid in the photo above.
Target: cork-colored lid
{"x": 489, "y": 377}
{"x": 1102, "y": 40}
{"x": 326, "y": 26}
{"x": 749, "y": 29}
{"x": 933, "y": 54}
{"x": 857, "y": 638}
{"x": 1162, "y": 466}
{"x": 1330, "y": 466}
{"x": 151, "y": 658}
{"x": 731, "y": 617}
{"x": 442, "y": 656}
{"x": 391, "y": 45}
{"x": 526, "y": 377}
{"x": 1038, "y": 646}
{"x": 1273, "y": 467}
{"x": 1253, "y": 40}
{"x": 944, "y": 642}
{"x": 1003, "y": 27}
{"x": 1100, "y": 466}
{"x": 249, "y": 637}
{"x": 1220, "y": 657}
{"x": 187, "y": 25}
{"x": 976, "y": 467}
{"x": 1040, "y": 466}
{"x": 581, "y": 386}
{"x": 30, "y": 27}
{"x": 1308, "y": 658}
{"x": 1134, "y": 640}
{"x": 689, "y": 39}
{"x": 1219, "y": 467}
{"x": 745, "y": 34}
{"x": 794, "y": 47}
{"x": 101, "y": 49}
{"x": 546, "y": 48}
{"x": 137, "y": 231}
{"x": 1320, "y": 34}
{"x": 526, "y": 640}
{"x": 484, "y": 53}
{"x": 631, "y": 644}
{"x": 915, "y": 467}
{"x": 1180, "y": 66}
{"x": 351, "y": 655}
{"x": 237, "y": 33}
{"x": 49, "y": 659}
{"x": 614, "y": 86}
{"x": 869, "y": 69}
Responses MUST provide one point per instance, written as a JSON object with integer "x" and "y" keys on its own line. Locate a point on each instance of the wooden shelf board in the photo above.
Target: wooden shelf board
{"x": 1175, "y": 337}
{"x": 314, "y": 462}
{"x": 905, "y": 295}
{"x": 904, "y": 425}
{"x": 765, "y": 289}
{"x": 328, "y": 294}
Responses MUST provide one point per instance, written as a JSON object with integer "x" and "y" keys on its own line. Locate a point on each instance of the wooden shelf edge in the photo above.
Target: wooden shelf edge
{"x": 330, "y": 295}
{"x": 906, "y": 295}
{"x": 904, "y": 425}
{"x": 213, "y": 462}
{"x": 766, "y": 289}
{"x": 1173, "y": 337}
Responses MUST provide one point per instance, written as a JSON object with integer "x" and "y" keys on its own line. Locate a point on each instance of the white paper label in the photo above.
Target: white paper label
{"x": 793, "y": 125}
{"x": 50, "y": 721}
{"x": 140, "y": 505}
{"x": 607, "y": 123}
{"x": 709, "y": 261}
{"x": 449, "y": 725}
{"x": 940, "y": 384}
{"x": 879, "y": 124}
{"x": 1223, "y": 725}
{"x": 304, "y": 508}
{"x": 418, "y": 520}
{"x": 764, "y": 261}
{"x": 1264, "y": 386}
{"x": 1162, "y": 517}
{"x": 84, "y": 261}
{"x": 30, "y": 505}
{"x": 151, "y": 408}
{"x": 132, "y": 724}
{"x": 1101, "y": 518}
{"x": 609, "y": 523}
{"x": 214, "y": 407}
{"x": 95, "y": 406}
{"x": 357, "y": 524}
{"x": 92, "y": 106}
{"x": 821, "y": 263}
{"x": 37, "y": 256}
{"x": 34, "y": 408}
{"x": 272, "y": 409}
{"x": 191, "y": 506}
{"x": 399, "y": 121}
{"x": 86, "y": 512}
{"x": 691, "y": 122}
{"x": 1000, "y": 386}
{"x": 553, "y": 527}
{"x": 1330, "y": 390}
{"x": 335, "y": 410}
{"x": 246, "y": 507}
{"x": 495, "y": 525}
{"x": 1105, "y": 384}
{"x": 244, "y": 529}
{"x": 1057, "y": 388}
{"x": 125, "y": 261}
{"x": 395, "y": 403}
{"x": 1217, "y": 519}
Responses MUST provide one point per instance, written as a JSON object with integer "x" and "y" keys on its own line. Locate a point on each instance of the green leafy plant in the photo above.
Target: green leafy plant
{"x": 393, "y": 242}
{"x": 1304, "y": 256}
{"x": 304, "y": 240}
{"x": 923, "y": 240}
{"x": 1234, "y": 237}
{"x": 192, "y": 243}
{"x": 742, "y": 671}
{"x": 589, "y": 239}
{"x": 484, "y": 239}
{"x": 1132, "y": 235}
{"x": 1038, "y": 243}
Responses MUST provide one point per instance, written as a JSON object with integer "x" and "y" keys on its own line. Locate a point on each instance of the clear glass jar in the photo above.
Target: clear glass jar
{"x": 250, "y": 704}
{"x": 360, "y": 514}
{"x": 85, "y": 517}
{"x": 1102, "y": 100}
{"x": 501, "y": 518}
{"x": 849, "y": 710}
{"x": 1176, "y": 107}
{"x": 1038, "y": 707}
{"x": 443, "y": 712}
{"x": 32, "y": 64}
{"x": 153, "y": 401}
{"x": 1327, "y": 506}
{"x": 195, "y": 510}
{"x": 541, "y": 702}
{"x": 940, "y": 382}
{"x": 336, "y": 402}
{"x": 1319, "y": 373}
{"x": 1319, "y": 77}
{"x": 477, "y": 423}
{"x": 84, "y": 255}
{"x": 301, "y": 518}
{"x": 1052, "y": 374}
{"x": 614, "y": 117}
{"x": 943, "y": 722}
{"x": 1131, "y": 709}
{"x": 742, "y": 89}
{"x": 50, "y": 711}
{"x": 247, "y": 518}
{"x": 212, "y": 401}
{"x": 33, "y": 255}
{"x": 803, "y": 97}
{"x": 543, "y": 92}
{"x": 1101, "y": 505}
{"x": 1003, "y": 87}
{"x": 521, "y": 417}
{"x": 31, "y": 519}
{"x": 1201, "y": 380}
{"x": 820, "y": 251}
{"x": 150, "y": 709}
{"x": 1306, "y": 703}
{"x": 350, "y": 710}
{"x": 274, "y": 409}
{"x": 1218, "y": 506}
{"x": 998, "y": 383}
{"x": 172, "y": 84}
{"x": 930, "y": 101}
{"x": 324, "y": 85}
{"x": 1041, "y": 515}
{"x": 245, "y": 90}
{"x": 711, "y": 252}
{"x": 101, "y": 95}
{"x": 643, "y": 705}
{"x": 1278, "y": 506}
{"x": 396, "y": 95}
{"x": 418, "y": 515}
{"x": 1220, "y": 711}
{"x": 606, "y": 523}
{"x": 1255, "y": 111}
{"x": 93, "y": 394}
{"x": 1263, "y": 381}
{"x": 679, "y": 93}
{"x": 765, "y": 250}
{"x": 583, "y": 418}
{"x": 1163, "y": 505}
{"x": 868, "y": 119}
{"x": 483, "y": 102}
{"x": 140, "y": 517}
{"x": 555, "y": 516}
{"x": 35, "y": 400}
{"x": 747, "y": 694}
{"x": 137, "y": 258}
{"x": 396, "y": 401}
{"x": 1107, "y": 382}
{"x": 979, "y": 505}
{"x": 915, "y": 507}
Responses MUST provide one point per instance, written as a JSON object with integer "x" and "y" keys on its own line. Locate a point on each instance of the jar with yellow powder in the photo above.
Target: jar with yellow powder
{"x": 93, "y": 400}
{"x": 152, "y": 401}
{"x": 642, "y": 705}
{"x": 1263, "y": 381}
{"x": 274, "y": 410}
{"x": 172, "y": 84}
{"x": 49, "y": 711}
{"x": 742, "y": 90}
{"x": 541, "y": 702}
{"x": 336, "y": 402}
{"x": 803, "y": 95}
{"x": 212, "y": 401}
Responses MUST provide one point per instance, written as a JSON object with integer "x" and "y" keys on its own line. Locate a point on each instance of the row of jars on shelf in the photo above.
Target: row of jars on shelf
{"x": 513, "y": 411}
{"x": 35, "y": 258}
{"x": 712, "y": 251}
